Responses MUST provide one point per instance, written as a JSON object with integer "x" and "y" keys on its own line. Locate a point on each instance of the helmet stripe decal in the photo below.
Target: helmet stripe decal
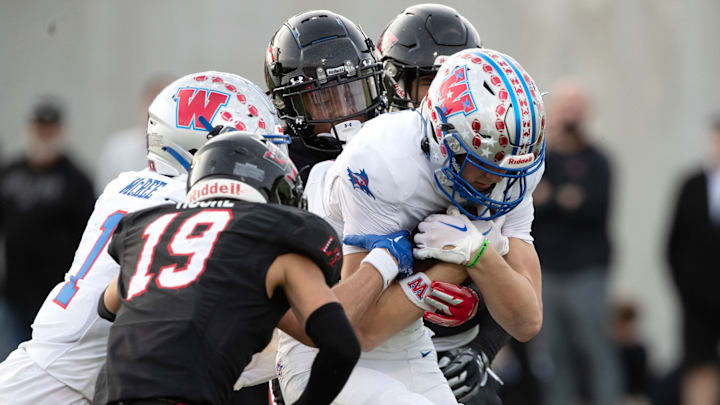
{"x": 339, "y": 21}
{"x": 528, "y": 94}
{"x": 511, "y": 91}
{"x": 295, "y": 35}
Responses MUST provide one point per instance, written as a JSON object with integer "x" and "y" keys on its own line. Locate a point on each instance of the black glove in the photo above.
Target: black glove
{"x": 466, "y": 371}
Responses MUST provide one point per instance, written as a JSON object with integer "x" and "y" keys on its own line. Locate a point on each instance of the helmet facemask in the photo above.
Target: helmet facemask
{"x": 498, "y": 199}
{"x": 403, "y": 83}
{"x": 339, "y": 104}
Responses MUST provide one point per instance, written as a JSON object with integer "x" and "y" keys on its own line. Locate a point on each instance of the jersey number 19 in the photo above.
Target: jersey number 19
{"x": 182, "y": 243}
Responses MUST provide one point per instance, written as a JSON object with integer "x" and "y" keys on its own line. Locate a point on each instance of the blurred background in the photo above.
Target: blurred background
{"x": 649, "y": 69}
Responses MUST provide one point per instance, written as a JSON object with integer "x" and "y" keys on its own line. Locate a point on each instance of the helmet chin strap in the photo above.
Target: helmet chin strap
{"x": 345, "y": 130}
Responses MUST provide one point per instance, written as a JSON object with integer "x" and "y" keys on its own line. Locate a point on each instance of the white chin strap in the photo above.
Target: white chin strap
{"x": 346, "y": 130}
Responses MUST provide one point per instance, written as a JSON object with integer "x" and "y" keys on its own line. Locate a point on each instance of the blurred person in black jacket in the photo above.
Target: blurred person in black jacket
{"x": 570, "y": 228}
{"x": 693, "y": 239}
{"x": 45, "y": 201}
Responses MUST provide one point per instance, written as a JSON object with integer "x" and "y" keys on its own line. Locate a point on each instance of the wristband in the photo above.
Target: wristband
{"x": 384, "y": 263}
{"x": 417, "y": 287}
{"x": 479, "y": 253}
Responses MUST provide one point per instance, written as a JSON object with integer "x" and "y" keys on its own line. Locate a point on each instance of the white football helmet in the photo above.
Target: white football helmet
{"x": 182, "y": 115}
{"x": 483, "y": 109}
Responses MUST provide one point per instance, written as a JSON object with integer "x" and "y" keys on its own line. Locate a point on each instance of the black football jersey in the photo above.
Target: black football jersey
{"x": 194, "y": 303}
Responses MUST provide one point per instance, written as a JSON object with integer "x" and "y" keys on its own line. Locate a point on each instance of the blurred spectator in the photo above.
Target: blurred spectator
{"x": 125, "y": 150}
{"x": 633, "y": 355}
{"x": 45, "y": 201}
{"x": 570, "y": 229}
{"x": 693, "y": 240}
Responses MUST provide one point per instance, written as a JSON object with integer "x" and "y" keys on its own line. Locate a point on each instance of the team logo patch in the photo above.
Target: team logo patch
{"x": 454, "y": 96}
{"x": 360, "y": 181}
{"x": 195, "y": 102}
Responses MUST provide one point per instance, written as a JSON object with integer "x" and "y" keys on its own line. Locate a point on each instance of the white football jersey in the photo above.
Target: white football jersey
{"x": 69, "y": 339}
{"x": 382, "y": 183}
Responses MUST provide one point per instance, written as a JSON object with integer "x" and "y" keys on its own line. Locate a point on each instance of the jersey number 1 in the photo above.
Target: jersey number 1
{"x": 182, "y": 243}
{"x": 70, "y": 287}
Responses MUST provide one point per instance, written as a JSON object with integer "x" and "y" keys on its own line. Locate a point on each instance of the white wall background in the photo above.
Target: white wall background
{"x": 651, "y": 66}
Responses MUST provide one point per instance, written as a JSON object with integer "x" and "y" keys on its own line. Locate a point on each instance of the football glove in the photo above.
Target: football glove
{"x": 456, "y": 305}
{"x": 451, "y": 238}
{"x": 492, "y": 230}
{"x": 397, "y": 244}
{"x": 467, "y": 372}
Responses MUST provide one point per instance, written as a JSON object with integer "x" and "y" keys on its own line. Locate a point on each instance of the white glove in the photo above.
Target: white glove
{"x": 492, "y": 231}
{"x": 450, "y": 238}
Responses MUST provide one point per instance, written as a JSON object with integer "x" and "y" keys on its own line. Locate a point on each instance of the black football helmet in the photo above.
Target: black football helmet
{"x": 414, "y": 45}
{"x": 323, "y": 77}
{"x": 244, "y": 166}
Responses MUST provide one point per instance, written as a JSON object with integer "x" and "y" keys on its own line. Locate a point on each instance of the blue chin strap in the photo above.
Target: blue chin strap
{"x": 277, "y": 139}
{"x": 177, "y": 156}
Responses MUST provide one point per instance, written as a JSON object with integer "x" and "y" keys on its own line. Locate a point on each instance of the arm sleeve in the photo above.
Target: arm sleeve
{"x": 491, "y": 337}
{"x": 339, "y": 351}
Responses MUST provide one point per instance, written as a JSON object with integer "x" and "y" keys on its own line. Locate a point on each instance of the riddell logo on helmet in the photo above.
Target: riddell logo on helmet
{"x": 522, "y": 160}
{"x": 220, "y": 187}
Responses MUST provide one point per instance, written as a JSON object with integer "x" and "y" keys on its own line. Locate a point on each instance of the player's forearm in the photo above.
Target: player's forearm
{"x": 394, "y": 312}
{"x": 357, "y": 294}
{"x": 510, "y": 296}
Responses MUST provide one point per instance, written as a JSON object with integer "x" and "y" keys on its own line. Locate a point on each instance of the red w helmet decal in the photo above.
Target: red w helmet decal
{"x": 454, "y": 96}
{"x": 195, "y": 102}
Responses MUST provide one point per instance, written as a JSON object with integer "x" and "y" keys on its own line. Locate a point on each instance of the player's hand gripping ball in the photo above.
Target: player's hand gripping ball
{"x": 452, "y": 238}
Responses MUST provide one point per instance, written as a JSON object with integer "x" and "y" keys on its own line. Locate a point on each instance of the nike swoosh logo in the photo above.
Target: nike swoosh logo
{"x": 397, "y": 239}
{"x": 424, "y": 354}
{"x": 463, "y": 229}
